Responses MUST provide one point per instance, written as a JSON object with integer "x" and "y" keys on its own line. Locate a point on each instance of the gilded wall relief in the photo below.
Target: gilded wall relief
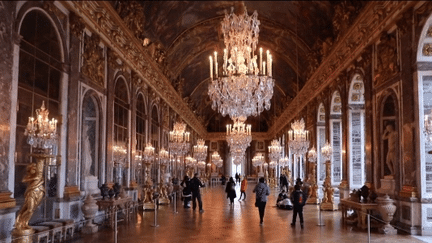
{"x": 76, "y": 25}
{"x": 93, "y": 60}
{"x": 427, "y": 49}
{"x": 132, "y": 14}
{"x": 386, "y": 56}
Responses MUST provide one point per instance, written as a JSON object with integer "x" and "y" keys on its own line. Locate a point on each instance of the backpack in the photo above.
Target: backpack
{"x": 299, "y": 198}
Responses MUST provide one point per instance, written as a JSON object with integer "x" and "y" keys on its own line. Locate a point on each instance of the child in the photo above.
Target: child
{"x": 299, "y": 199}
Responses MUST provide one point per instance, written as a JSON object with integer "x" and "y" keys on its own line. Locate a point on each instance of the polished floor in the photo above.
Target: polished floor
{"x": 239, "y": 223}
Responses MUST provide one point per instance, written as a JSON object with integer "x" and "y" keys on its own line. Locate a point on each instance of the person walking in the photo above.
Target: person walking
{"x": 299, "y": 199}
{"x": 243, "y": 187}
{"x": 262, "y": 191}
{"x": 230, "y": 190}
{"x": 196, "y": 195}
{"x": 186, "y": 193}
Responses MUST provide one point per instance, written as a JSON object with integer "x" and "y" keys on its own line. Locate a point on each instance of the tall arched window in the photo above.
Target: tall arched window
{"x": 321, "y": 139}
{"x": 336, "y": 137}
{"x": 155, "y": 136}
{"x": 356, "y": 136}
{"x": 140, "y": 123}
{"x": 39, "y": 80}
{"x": 121, "y": 112}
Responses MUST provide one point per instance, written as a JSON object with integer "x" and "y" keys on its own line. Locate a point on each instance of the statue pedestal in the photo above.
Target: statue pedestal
{"x": 22, "y": 236}
{"x": 91, "y": 185}
{"x": 387, "y": 185}
{"x": 149, "y": 206}
{"x": 328, "y": 206}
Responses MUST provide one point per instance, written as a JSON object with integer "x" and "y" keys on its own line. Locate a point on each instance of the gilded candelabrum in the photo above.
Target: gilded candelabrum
{"x": 163, "y": 187}
{"x": 34, "y": 195}
{"x": 328, "y": 199}
{"x": 148, "y": 188}
{"x": 312, "y": 192}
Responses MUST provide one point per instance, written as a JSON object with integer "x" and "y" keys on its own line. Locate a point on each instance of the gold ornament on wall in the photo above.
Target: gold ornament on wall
{"x": 387, "y": 65}
{"x": 93, "y": 65}
{"x": 429, "y": 32}
{"x": 76, "y": 25}
{"x": 427, "y": 49}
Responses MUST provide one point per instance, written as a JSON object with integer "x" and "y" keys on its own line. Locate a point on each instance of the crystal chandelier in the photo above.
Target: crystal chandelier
{"x": 238, "y": 137}
{"x": 41, "y": 133}
{"x": 190, "y": 162}
{"x": 272, "y": 164}
{"x": 216, "y": 159}
{"x": 200, "y": 150}
{"x": 258, "y": 160}
{"x": 298, "y": 138}
{"x": 327, "y": 151}
{"x": 238, "y": 159}
{"x": 201, "y": 165}
{"x": 312, "y": 155}
{"x": 149, "y": 153}
{"x": 179, "y": 139}
{"x": 274, "y": 150}
{"x": 428, "y": 127}
{"x": 243, "y": 89}
{"x": 284, "y": 161}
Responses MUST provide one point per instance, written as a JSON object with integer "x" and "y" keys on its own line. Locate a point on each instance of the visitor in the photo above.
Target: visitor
{"x": 186, "y": 193}
{"x": 299, "y": 199}
{"x": 243, "y": 187}
{"x": 262, "y": 191}
{"x": 237, "y": 177}
{"x": 196, "y": 195}
{"x": 230, "y": 190}
{"x": 223, "y": 179}
{"x": 283, "y": 202}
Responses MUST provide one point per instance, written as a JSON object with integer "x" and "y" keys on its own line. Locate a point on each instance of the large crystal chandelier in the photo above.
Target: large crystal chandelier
{"x": 238, "y": 137}
{"x": 179, "y": 139}
{"x": 258, "y": 160}
{"x": 41, "y": 132}
{"x": 200, "y": 150}
{"x": 243, "y": 88}
{"x": 238, "y": 159}
{"x": 190, "y": 162}
{"x": 216, "y": 159}
{"x": 275, "y": 150}
{"x": 284, "y": 161}
{"x": 119, "y": 152}
{"x": 298, "y": 138}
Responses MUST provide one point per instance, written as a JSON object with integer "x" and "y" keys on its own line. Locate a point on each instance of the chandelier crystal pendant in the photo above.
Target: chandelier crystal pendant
{"x": 258, "y": 160}
{"x": 179, "y": 139}
{"x": 245, "y": 86}
{"x": 298, "y": 138}
{"x": 284, "y": 161}
{"x": 275, "y": 150}
{"x": 200, "y": 150}
{"x": 238, "y": 159}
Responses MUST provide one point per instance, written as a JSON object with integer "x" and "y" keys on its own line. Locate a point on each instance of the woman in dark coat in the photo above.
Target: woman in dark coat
{"x": 230, "y": 190}
{"x": 187, "y": 191}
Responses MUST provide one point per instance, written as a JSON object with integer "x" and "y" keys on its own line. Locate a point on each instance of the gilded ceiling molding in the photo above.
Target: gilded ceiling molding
{"x": 368, "y": 26}
{"x": 104, "y": 20}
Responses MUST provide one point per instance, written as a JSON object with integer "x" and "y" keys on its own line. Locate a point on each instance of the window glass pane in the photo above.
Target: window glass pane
{"x": 26, "y": 70}
{"x": 54, "y": 84}
{"x": 41, "y": 78}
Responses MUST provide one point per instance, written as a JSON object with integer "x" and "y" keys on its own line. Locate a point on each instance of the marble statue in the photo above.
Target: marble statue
{"x": 87, "y": 158}
{"x": 391, "y": 136}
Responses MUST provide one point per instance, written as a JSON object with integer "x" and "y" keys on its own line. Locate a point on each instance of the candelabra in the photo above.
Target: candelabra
{"x": 328, "y": 199}
{"x": 179, "y": 139}
{"x": 257, "y": 161}
{"x": 275, "y": 150}
{"x": 163, "y": 188}
{"x": 137, "y": 168}
{"x": 298, "y": 138}
{"x": 190, "y": 165}
{"x": 272, "y": 179}
{"x": 42, "y": 136}
{"x": 119, "y": 157}
{"x": 312, "y": 197}
{"x": 243, "y": 89}
{"x": 148, "y": 157}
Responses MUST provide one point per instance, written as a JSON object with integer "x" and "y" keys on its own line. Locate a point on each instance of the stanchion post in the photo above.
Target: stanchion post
{"x": 155, "y": 214}
{"x": 175, "y": 202}
{"x": 369, "y": 231}
{"x": 115, "y": 226}
{"x": 319, "y": 216}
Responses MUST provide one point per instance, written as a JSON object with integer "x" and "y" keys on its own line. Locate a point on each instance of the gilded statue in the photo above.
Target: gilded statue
{"x": 328, "y": 194}
{"x": 148, "y": 191}
{"x": 34, "y": 194}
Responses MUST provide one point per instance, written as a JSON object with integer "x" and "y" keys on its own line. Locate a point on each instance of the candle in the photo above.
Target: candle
{"x": 216, "y": 65}
{"x": 211, "y": 67}
{"x": 225, "y": 61}
{"x": 264, "y": 65}
{"x": 227, "y": 126}
{"x": 270, "y": 66}
{"x": 260, "y": 61}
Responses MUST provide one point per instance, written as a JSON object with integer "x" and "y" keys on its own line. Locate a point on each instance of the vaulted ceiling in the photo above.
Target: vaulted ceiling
{"x": 190, "y": 31}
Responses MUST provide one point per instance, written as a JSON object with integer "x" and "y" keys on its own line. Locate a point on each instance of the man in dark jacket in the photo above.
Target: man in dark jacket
{"x": 298, "y": 198}
{"x": 195, "y": 184}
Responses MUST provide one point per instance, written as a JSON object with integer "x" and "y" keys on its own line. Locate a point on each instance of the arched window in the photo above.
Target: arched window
{"x": 356, "y": 136}
{"x": 321, "y": 140}
{"x": 140, "y": 123}
{"x": 121, "y": 112}
{"x": 38, "y": 80}
{"x": 336, "y": 137}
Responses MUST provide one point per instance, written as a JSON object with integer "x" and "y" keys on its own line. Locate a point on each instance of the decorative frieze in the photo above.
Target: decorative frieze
{"x": 387, "y": 61}
{"x": 133, "y": 16}
{"x": 76, "y": 25}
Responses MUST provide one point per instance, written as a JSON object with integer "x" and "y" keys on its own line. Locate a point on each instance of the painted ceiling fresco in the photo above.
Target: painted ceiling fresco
{"x": 295, "y": 32}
